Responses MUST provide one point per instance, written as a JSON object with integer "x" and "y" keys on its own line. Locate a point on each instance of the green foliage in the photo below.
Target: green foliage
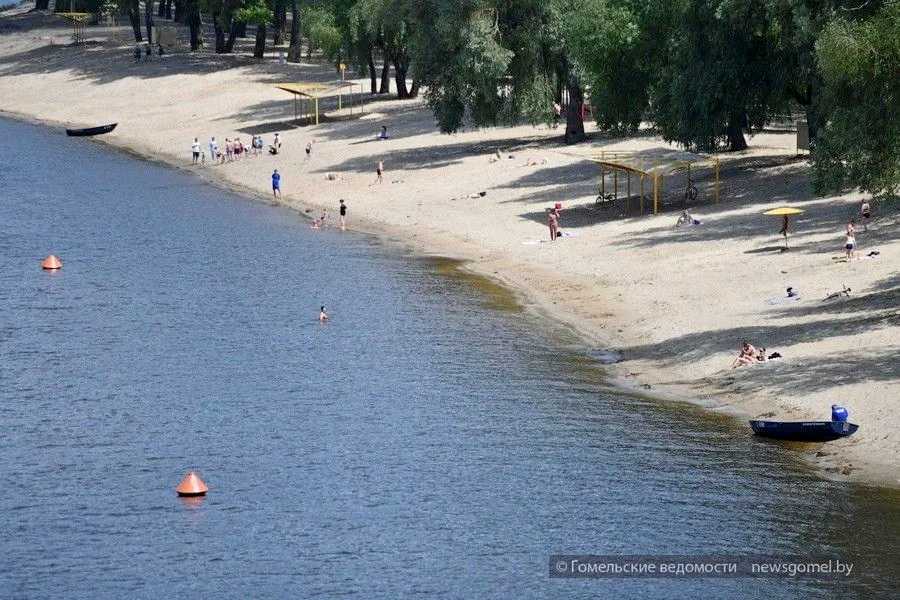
{"x": 492, "y": 61}
{"x": 320, "y": 30}
{"x": 257, "y": 12}
{"x": 860, "y": 65}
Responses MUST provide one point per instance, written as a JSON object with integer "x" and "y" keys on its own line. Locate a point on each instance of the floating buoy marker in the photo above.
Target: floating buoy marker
{"x": 51, "y": 263}
{"x": 191, "y": 485}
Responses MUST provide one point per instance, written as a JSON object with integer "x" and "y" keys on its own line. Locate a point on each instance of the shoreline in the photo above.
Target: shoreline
{"x": 608, "y": 304}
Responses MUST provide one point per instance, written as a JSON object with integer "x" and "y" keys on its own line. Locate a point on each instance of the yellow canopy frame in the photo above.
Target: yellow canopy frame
{"x": 308, "y": 94}
{"x": 654, "y": 163}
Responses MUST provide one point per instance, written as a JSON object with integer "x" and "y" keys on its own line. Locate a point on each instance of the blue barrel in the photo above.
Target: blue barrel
{"x": 839, "y": 413}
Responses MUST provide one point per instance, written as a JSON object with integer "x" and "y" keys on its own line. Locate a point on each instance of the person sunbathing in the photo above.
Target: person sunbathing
{"x": 748, "y": 355}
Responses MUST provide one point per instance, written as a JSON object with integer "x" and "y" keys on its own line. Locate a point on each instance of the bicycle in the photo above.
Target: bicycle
{"x": 690, "y": 192}
{"x": 604, "y": 200}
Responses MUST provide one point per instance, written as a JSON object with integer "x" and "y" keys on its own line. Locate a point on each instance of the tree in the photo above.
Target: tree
{"x": 195, "y": 25}
{"x": 279, "y": 22}
{"x": 148, "y": 15}
{"x": 258, "y": 13}
{"x": 133, "y": 8}
{"x": 860, "y": 67}
{"x": 295, "y": 49}
{"x": 321, "y": 32}
{"x": 496, "y": 62}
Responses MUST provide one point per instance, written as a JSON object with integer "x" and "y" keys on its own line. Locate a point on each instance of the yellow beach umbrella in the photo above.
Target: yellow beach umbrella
{"x": 784, "y": 212}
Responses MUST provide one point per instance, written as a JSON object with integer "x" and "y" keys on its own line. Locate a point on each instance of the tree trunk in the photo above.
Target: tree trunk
{"x": 736, "y": 140}
{"x": 232, "y": 35}
{"x": 279, "y": 22}
{"x": 178, "y": 14}
{"x": 160, "y": 13}
{"x": 134, "y": 15}
{"x": 400, "y": 79}
{"x": 220, "y": 35}
{"x": 192, "y": 15}
{"x": 259, "y": 50}
{"x": 385, "y": 78}
{"x": 41, "y": 4}
{"x": 295, "y": 49}
{"x": 240, "y": 29}
{"x": 148, "y": 16}
{"x": 414, "y": 90}
{"x": 373, "y": 78}
{"x": 574, "y": 121}
{"x": 168, "y": 14}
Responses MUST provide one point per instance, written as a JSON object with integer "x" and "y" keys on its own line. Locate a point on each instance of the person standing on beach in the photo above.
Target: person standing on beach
{"x": 850, "y": 244}
{"x": 309, "y": 145}
{"x": 195, "y": 151}
{"x": 866, "y": 211}
{"x": 213, "y": 149}
{"x": 343, "y": 211}
{"x": 553, "y": 222}
{"x": 379, "y": 170}
{"x": 276, "y": 183}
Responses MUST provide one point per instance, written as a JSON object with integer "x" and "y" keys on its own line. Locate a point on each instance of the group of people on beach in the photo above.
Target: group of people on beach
{"x": 232, "y": 150}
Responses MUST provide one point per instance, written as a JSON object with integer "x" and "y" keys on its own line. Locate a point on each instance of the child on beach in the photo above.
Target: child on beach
{"x": 343, "y": 211}
{"x": 379, "y": 170}
{"x": 309, "y": 145}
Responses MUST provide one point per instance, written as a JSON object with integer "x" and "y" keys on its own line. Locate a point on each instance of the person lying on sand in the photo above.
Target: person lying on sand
{"x": 496, "y": 158}
{"x": 531, "y": 162}
{"x": 333, "y": 177}
{"x": 748, "y": 355}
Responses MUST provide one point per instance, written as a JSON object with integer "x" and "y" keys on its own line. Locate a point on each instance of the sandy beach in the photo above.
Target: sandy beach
{"x": 673, "y": 303}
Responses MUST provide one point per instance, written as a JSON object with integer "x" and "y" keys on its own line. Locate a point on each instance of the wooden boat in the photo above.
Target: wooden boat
{"x": 91, "y": 130}
{"x": 804, "y": 431}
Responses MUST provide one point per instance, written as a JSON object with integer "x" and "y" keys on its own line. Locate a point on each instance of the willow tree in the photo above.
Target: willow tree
{"x": 860, "y": 66}
{"x": 496, "y": 62}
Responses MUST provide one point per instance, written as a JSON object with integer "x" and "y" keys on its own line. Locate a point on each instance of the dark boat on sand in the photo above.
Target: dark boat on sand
{"x": 91, "y": 130}
{"x": 804, "y": 431}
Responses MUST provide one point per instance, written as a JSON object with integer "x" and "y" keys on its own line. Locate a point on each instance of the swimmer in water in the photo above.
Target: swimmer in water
{"x": 323, "y": 316}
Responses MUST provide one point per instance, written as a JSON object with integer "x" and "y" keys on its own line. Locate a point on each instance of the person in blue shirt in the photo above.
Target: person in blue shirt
{"x": 276, "y": 183}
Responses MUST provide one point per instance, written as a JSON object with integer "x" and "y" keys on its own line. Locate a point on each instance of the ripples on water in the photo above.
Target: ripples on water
{"x": 431, "y": 441}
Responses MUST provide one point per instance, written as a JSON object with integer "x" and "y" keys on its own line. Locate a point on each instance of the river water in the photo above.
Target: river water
{"x": 431, "y": 441}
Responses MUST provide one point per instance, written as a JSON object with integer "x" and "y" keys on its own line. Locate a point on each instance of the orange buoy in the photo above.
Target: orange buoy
{"x": 191, "y": 485}
{"x": 51, "y": 262}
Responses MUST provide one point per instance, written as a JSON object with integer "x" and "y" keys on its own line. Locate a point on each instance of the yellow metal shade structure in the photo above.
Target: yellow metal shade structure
{"x": 309, "y": 93}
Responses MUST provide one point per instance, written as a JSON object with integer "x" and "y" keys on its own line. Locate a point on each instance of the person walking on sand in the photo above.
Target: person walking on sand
{"x": 343, "y": 211}
{"x": 379, "y": 170}
{"x": 866, "y": 211}
{"x": 309, "y": 146}
{"x": 323, "y": 316}
{"x": 276, "y": 183}
{"x": 195, "y": 151}
{"x": 553, "y": 222}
